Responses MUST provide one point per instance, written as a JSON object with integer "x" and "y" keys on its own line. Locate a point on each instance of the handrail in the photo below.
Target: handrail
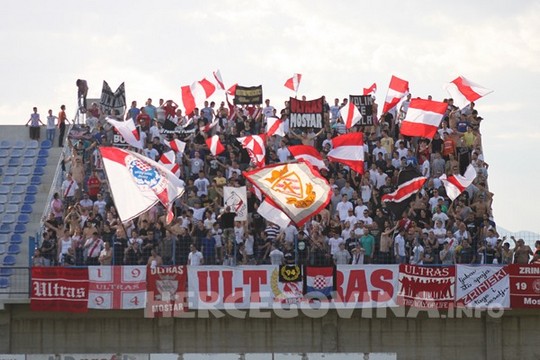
{"x": 56, "y": 184}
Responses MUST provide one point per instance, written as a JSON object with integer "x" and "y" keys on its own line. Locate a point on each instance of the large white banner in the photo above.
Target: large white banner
{"x": 243, "y": 287}
{"x": 482, "y": 286}
{"x": 236, "y": 198}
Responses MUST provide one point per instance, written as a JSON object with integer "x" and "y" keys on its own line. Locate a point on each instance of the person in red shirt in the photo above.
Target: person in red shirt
{"x": 449, "y": 146}
{"x": 93, "y": 185}
{"x": 143, "y": 120}
{"x": 170, "y": 109}
{"x": 62, "y": 119}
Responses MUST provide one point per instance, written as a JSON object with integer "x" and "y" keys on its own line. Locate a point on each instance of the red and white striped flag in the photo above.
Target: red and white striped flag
{"x": 232, "y": 90}
{"x": 128, "y": 131}
{"x": 293, "y": 82}
{"x": 168, "y": 160}
{"x": 463, "y": 91}
{"x": 309, "y": 154}
{"x": 370, "y": 90}
{"x": 138, "y": 183}
{"x": 423, "y": 118}
{"x": 208, "y": 127}
{"x": 275, "y": 126}
{"x": 396, "y": 91}
{"x": 196, "y": 93}
{"x": 215, "y": 145}
{"x": 176, "y": 145}
{"x": 255, "y": 146}
{"x": 405, "y": 190}
{"x": 350, "y": 115}
{"x": 456, "y": 184}
{"x": 348, "y": 149}
{"x": 219, "y": 79}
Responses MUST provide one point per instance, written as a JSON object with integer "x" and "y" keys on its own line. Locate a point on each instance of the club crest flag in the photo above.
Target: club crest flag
{"x": 138, "y": 183}
{"x": 166, "y": 295}
{"x": 117, "y": 287}
{"x": 236, "y": 198}
{"x": 295, "y": 188}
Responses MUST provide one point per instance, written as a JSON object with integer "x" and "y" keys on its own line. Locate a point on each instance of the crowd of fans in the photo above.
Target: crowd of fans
{"x": 83, "y": 227}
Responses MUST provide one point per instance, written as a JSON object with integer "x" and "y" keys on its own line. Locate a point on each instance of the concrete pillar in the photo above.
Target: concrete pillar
{"x": 494, "y": 338}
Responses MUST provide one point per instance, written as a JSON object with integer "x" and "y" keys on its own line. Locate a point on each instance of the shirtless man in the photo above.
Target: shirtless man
{"x": 521, "y": 252}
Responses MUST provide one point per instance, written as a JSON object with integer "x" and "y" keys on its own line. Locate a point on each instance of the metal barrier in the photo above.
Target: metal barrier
{"x": 14, "y": 282}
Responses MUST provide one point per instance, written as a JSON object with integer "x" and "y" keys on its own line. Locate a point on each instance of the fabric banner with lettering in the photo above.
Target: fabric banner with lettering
{"x": 117, "y": 287}
{"x": 248, "y": 95}
{"x": 524, "y": 286}
{"x": 59, "y": 289}
{"x": 236, "y": 198}
{"x": 113, "y": 103}
{"x": 166, "y": 294}
{"x": 306, "y": 114}
{"x": 370, "y": 286}
{"x": 364, "y": 104}
{"x": 426, "y": 287}
{"x": 243, "y": 287}
{"x": 482, "y": 286}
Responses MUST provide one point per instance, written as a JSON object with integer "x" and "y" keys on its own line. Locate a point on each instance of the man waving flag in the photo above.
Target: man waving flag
{"x": 138, "y": 183}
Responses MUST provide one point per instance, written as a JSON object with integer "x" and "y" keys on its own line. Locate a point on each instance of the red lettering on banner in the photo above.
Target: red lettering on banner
{"x": 254, "y": 279}
{"x": 382, "y": 280}
{"x": 204, "y": 293}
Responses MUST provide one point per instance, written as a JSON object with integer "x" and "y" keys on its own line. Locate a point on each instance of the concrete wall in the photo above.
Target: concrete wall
{"x": 513, "y": 336}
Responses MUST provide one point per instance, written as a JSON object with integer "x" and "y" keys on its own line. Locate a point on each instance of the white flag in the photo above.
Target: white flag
{"x": 236, "y": 198}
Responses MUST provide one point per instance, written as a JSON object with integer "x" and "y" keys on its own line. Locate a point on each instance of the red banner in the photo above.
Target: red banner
{"x": 426, "y": 287}
{"x": 524, "y": 286}
{"x": 166, "y": 291}
{"x": 59, "y": 289}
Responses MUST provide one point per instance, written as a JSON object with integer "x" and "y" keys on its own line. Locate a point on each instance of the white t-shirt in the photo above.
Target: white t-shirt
{"x": 283, "y": 154}
{"x": 343, "y": 209}
{"x": 195, "y": 258}
{"x": 334, "y": 244}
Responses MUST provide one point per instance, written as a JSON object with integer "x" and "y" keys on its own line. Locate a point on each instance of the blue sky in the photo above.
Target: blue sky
{"x": 339, "y": 47}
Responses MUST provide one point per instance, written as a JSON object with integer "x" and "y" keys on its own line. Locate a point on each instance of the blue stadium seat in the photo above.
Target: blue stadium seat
{"x": 17, "y": 153}
{"x": 8, "y": 180}
{"x": 35, "y": 180}
{"x": 28, "y": 162}
{"x": 4, "y": 153}
{"x": 15, "y": 199}
{"x": 12, "y": 208}
{"x": 2, "y": 249}
{"x": 30, "y": 153}
{"x": 18, "y": 190}
{"x": 25, "y": 171}
{"x": 13, "y": 249}
{"x": 26, "y": 209}
{"x": 30, "y": 199}
{"x": 39, "y": 171}
{"x": 15, "y": 239}
{"x": 4, "y": 238}
{"x": 9, "y": 260}
{"x": 43, "y": 153}
{"x": 3, "y": 201}
{"x": 4, "y": 190}
{"x": 6, "y": 271}
{"x": 41, "y": 162}
{"x": 46, "y": 144}
{"x": 8, "y": 219}
{"x": 32, "y": 190}
{"x": 4, "y": 282}
{"x": 20, "y": 229}
{"x": 15, "y": 161}
{"x": 22, "y": 180}
{"x": 19, "y": 144}
{"x": 11, "y": 171}
{"x": 6, "y": 228}
{"x": 5, "y": 144}
{"x": 23, "y": 219}
{"x": 32, "y": 144}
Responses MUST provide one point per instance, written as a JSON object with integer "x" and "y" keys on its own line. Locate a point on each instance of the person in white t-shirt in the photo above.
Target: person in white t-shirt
{"x": 202, "y": 184}
{"x": 268, "y": 110}
{"x": 195, "y": 257}
{"x": 343, "y": 208}
{"x": 333, "y": 241}
{"x": 283, "y": 153}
